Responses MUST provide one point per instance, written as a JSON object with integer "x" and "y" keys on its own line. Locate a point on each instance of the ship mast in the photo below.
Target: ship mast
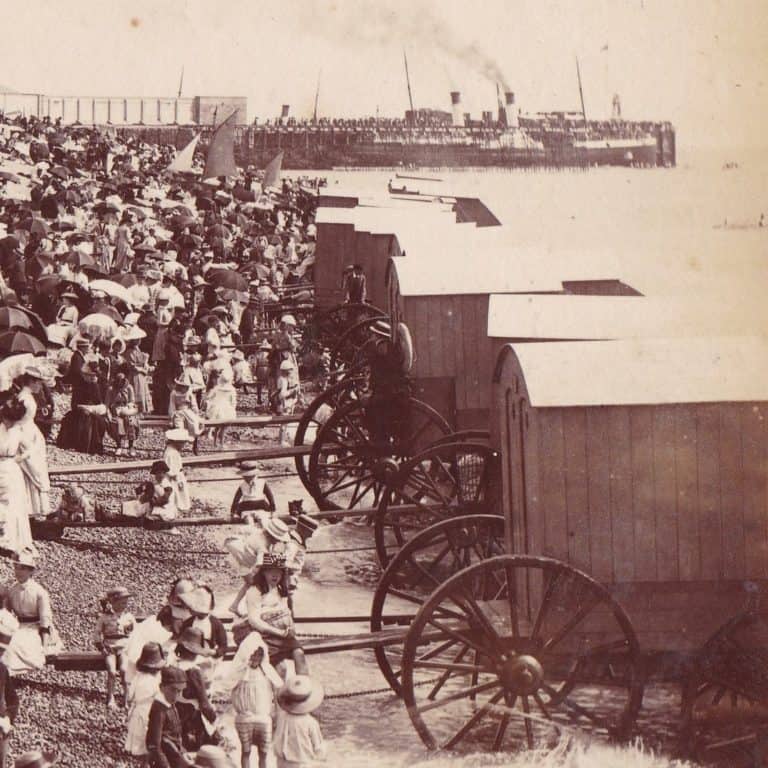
{"x": 408, "y": 80}
{"x": 317, "y": 96}
{"x": 181, "y": 80}
{"x": 581, "y": 94}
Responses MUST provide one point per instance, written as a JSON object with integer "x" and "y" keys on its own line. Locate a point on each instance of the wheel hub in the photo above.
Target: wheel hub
{"x": 386, "y": 470}
{"x": 521, "y": 675}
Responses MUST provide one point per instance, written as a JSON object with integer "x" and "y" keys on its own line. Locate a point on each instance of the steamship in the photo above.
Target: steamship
{"x": 436, "y": 138}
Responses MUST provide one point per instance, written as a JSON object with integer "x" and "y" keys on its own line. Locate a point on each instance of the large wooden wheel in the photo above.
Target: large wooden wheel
{"x": 512, "y": 650}
{"x": 318, "y": 412}
{"x": 424, "y": 563}
{"x": 349, "y": 464}
{"x": 725, "y": 697}
{"x": 332, "y": 323}
{"x": 348, "y": 350}
{"x": 447, "y": 479}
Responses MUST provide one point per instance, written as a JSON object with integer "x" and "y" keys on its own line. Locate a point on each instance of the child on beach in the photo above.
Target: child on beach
{"x": 220, "y": 402}
{"x": 260, "y": 366}
{"x": 241, "y": 370}
{"x": 123, "y": 415}
{"x": 269, "y": 614}
{"x": 175, "y": 440}
{"x": 298, "y": 740}
{"x": 143, "y": 688}
{"x": 110, "y": 636}
{"x": 253, "y": 698}
{"x": 183, "y": 409}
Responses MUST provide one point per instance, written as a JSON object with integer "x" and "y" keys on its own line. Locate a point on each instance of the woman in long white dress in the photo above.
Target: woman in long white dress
{"x": 15, "y": 505}
{"x": 35, "y": 467}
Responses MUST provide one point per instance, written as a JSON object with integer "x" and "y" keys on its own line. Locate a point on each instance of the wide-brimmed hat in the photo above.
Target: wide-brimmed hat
{"x": 81, "y": 341}
{"x": 8, "y": 625}
{"x": 181, "y": 587}
{"x": 211, "y": 756}
{"x": 70, "y": 295}
{"x": 274, "y": 560}
{"x": 199, "y": 600}
{"x": 277, "y": 529}
{"x": 238, "y": 354}
{"x": 173, "y": 676}
{"x": 183, "y": 381}
{"x": 151, "y": 658}
{"x": 34, "y": 372}
{"x": 178, "y": 435}
{"x": 26, "y": 558}
{"x": 220, "y": 310}
{"x": 135, "y": 334}
{"x": 118, "y": 593}
{"x": 35, "y": 759}
{"x": 248, "y": 469}
{"x": 300, "y": 695}
{"x": 286, "y": 365}
{"x": 193, "y": 641}
{"x": 158, "y": 467}
{"x": 154, "y": 274}
{"x": 288, "y": 319}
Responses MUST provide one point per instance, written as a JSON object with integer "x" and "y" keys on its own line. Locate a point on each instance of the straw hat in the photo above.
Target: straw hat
{"x": 248, "y": 469}
{"x": 152, "y": 658}
{"x": 300, "y": 695}
{"x": 117, "y": 593}
{"x": 81, "y": 341}
{"x": 178, "y": 435}
{"x": 238, "y": 354}
{"x": 173, "y": 676}
{"x": 286, "y": 365}
{"x": 192, "y": 640}
{"x": 26, "y": 559}
{"x": 183, "y": 381}
{"x": 273, "y": 560}
{"x": 277, "y": 529}
{"x": 199, "y": 600}
{"x": 135, "y": 334}
{"x": 210, "y": 756}
{"x": 288, "y": 320}
{"x": 181, "y": 588}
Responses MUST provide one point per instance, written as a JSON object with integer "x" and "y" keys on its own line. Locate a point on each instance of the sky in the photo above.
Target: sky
{"x": 703, "y": 64}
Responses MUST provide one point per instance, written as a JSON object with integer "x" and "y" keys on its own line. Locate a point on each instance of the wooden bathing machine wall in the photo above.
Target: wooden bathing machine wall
{"x": 444, "y": 300}
{"x": 643, "y": 463}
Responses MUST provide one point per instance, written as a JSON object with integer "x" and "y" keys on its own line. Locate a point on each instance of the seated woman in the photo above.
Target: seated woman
{"x": 253, "y": 494}
{"x": 30, "y": 602}
{"x": 83, "y": 428}
{"x": 269, "y": 614}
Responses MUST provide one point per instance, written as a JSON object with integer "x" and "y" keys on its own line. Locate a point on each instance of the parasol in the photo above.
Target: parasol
{"x": 219, "y": 230}
{"x": 80, "y": 259}
{"x": 111, "y": 288}
{"x": 60, "y": 171}
{"x": 98, "y": 326}
{"x": 18, "y": 342}
{"x": 8, "y": 176}
{"x": 227, "y": 278}
{"x": 126, "y": 280}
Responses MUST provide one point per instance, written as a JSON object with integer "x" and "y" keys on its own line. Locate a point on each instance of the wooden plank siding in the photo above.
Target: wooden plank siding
{"x": 673, "y": 493}
{"x": 335, "y": 249}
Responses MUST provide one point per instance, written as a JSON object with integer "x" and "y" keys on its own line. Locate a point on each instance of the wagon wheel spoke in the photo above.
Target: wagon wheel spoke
{"x": 545, "y": 603}
{"x": 578, "y": 710}
{"x": 443, "y": 679}
{"x": 528, "y": 724}
{"x": 512, "y": 601}
{"x": 541, "y": 705}
{"x": 473, "y": 611}
{"x": 462, "y": 694}
{"x": 362, "y": 491}
{"x": 571, "y": 624}
{"x": 474, "y": 720}
{"x": 461, "y": 638}
{"x": 498, "y": 738}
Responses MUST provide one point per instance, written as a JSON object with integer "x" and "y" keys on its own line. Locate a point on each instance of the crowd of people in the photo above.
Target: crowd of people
{"x": 154, "y": 293}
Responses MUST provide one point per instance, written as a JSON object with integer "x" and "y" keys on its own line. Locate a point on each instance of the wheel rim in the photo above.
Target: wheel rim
{"x": 424, "y": 563}
{"x": 338, "y": 393}
{"x": 518, "y": 627}
{"x": 718, "y": 712}
{"x": 347, "y": 350}
{"x": 446, "y": 480}
{"x": 345, "y": 465}
{"x": 330, "y": 325}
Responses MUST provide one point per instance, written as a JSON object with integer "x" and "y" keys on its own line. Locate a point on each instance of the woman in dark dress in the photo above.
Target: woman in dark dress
{"x": 83, "y": 428}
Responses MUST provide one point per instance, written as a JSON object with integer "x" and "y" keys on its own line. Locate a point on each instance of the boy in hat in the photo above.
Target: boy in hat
{"x": 164, "y": 733}
{"x": 298, "y": 740}
{"x": 9, "y": 700}
{"x": 183, "y": 408}
{"x": 195, "y": 710}
{"x": 243, "y": 376}
{"x": 260, "y": 366}
{"x": 110, "y": 636}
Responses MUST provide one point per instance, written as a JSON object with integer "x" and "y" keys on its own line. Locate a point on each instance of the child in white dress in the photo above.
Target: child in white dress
{"x": 142, "y": 691}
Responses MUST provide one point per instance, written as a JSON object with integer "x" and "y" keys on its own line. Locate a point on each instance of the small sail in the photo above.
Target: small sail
{"x": 182, "y": 163}
{"x": 221, "y": 153}
{"x": 272, "y": 171}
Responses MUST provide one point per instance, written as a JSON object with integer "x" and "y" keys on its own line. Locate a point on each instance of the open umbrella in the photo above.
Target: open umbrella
{"x": 13, "y": 317}
{"x": 36, "y": 325}
{"x": 98, "y": 326}
{"x": 39, "y": 227}
{"x": 48, "y": 284}
{"x": 60, "y": 171}
{"x": 184, "y": 210}
{"x": 8, "y": 176}
{"x": 20, "y": 342}
{"x": 80, "y": 259}
{"x": 227, "y": 278}
{"x": 219, "y": 230}
{"x": 127, "y": 279}
{"x": 139, "y": 213}
{"x": 111, "y": 288}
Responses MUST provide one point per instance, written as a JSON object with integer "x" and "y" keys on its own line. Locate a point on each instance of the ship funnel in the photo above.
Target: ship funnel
{"x": 458, "y": 118}
{"x": 285, "y": 110}
{"x": 509, "y": 108}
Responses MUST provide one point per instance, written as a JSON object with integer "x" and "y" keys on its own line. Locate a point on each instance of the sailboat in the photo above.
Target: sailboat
{"x": 182, "y": 163}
